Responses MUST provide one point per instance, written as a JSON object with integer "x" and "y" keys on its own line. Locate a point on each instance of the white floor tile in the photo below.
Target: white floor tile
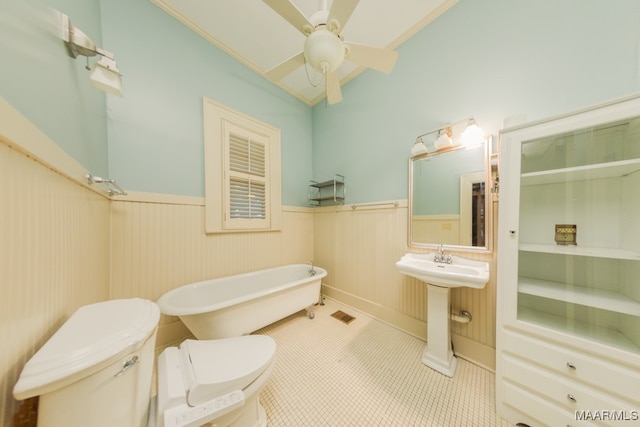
{"x": 367, "y": 373}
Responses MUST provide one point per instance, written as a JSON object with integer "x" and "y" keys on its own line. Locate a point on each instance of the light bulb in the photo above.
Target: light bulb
{"x": 444, "y": 139}
{"x": 472, "y": 134}
{"x": 418, "y": 148}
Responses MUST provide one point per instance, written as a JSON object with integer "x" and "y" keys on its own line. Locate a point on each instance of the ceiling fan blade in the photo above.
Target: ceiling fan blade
{"x": 290, "y": 13}
{"x": 341, "y": 11}
{"x": 285, "y": 68}
{"x": 379, "y": 59}
{"x": 332, "y": 85}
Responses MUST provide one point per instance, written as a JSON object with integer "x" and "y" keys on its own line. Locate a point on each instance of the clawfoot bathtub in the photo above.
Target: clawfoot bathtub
{"x": 240, "y": 304}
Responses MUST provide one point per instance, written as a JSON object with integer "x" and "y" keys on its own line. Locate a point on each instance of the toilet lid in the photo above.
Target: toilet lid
{"x": 217, "y": 367}
{"x": 94, "y": 336}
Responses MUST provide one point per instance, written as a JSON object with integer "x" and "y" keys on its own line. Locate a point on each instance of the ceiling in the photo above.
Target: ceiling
{"x": 255, "y": 35}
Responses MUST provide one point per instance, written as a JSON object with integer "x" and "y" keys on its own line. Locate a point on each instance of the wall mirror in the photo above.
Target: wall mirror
{"x": 450, "y": 198}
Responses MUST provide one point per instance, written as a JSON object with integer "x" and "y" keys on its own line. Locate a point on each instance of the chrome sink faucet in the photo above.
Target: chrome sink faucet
{"x": 441, "y": 257}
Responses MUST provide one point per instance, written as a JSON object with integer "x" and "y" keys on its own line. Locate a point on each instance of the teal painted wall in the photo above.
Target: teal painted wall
{"x": 156, "y": 130}
{"x": 151, "y": 139}
{"x": 46, "y": 85}
{"x": 486, "y": 58}
{"x": 490, "y": 59}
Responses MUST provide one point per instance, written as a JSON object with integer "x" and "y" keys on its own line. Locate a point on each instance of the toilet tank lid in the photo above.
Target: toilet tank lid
{"x": 93, "y": 337}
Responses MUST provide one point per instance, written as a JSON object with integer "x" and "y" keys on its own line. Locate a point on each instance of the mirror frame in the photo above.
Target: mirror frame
{"x": 490, "y": 188}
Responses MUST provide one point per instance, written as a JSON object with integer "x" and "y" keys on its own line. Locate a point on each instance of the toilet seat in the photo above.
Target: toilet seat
{"x": 217, "y": 367}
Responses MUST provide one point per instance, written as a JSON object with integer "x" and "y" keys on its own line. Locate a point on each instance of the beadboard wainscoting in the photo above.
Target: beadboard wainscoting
{"x": 159, "y": 243}
{"x": 359, "y": 249}
{"x": 54, "y": 257}
{"x": 65, "y": 244}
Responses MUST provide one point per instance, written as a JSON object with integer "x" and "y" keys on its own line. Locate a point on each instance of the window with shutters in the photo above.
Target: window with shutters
{"x": 242, "y": 171}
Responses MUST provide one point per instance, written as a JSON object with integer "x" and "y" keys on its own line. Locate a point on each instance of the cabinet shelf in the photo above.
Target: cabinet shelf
{"x": 581, "y": 173}
{"x": 590, "y": 297}
{"x": 601, "y": 334}
{"x": 587, "y": 251}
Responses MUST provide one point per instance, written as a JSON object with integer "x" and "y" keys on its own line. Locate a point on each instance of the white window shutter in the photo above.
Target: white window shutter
{"x": 242, "y": 172}
{"x": 246, "y": 183}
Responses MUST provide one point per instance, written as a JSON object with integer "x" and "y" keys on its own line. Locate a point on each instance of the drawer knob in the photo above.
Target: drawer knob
{"x": 571, "y": 397}
{"x": 571, "y": 365}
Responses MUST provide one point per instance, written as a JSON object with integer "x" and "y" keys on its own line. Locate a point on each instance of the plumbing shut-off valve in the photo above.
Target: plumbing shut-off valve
{"x": 462, "y": 317}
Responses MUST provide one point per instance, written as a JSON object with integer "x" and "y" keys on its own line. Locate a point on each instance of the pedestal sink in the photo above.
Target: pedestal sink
{"x": 440, "y": 277}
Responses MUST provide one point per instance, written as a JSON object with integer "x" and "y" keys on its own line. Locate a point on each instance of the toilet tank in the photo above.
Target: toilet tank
{"x": 96, "y": 370}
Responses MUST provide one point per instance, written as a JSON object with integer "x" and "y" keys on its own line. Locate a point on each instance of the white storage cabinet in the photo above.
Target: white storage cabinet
{"x": 568, "y": 321}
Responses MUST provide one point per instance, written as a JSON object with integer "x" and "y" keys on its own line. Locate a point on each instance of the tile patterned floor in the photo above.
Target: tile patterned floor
{"x": 367, "y": 373}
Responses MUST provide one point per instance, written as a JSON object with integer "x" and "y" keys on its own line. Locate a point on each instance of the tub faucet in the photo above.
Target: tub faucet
{"x": 440, "y": 255}
{"x": 312, "y": 271}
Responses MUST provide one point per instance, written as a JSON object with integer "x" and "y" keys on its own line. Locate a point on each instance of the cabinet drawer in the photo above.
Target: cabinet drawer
{"x": 545, "y": 413}
{"x": 611, "y": 378}
{"x": 569, "y": 396}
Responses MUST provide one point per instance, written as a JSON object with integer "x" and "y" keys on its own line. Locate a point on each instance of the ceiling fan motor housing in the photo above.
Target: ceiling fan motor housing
{"x": 324, "y": 50}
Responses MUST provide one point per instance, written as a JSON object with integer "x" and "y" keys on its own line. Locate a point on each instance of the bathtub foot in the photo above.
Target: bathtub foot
{"x": 310, "y": 313}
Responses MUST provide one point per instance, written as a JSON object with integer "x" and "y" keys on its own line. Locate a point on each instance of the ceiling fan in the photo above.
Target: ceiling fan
{"x": 324, "y": 47}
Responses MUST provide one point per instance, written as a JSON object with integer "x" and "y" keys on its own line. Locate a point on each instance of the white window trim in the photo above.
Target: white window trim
{"x": 218, "y": 121}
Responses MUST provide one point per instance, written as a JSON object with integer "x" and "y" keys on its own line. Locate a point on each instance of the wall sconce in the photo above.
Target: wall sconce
{"x": 472, "y": 134}
{"x": 419, "y": 148}
{"x": 444, "y": 138}
{"x": 105, "y": 75}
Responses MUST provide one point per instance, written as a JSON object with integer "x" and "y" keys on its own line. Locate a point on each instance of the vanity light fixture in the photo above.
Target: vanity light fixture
{"x": 105, "y": 75}
{"x": 444, "y": 139}
{"x": 471, "y": 135}
{"x": 418, "y": 148}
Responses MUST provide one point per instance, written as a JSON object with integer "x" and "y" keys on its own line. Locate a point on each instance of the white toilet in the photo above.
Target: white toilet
{"x": 214, "y": 381}
{"x": 97, "y": 370}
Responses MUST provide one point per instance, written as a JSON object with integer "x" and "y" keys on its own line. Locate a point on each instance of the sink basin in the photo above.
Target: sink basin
{"x": 461, "y": 271}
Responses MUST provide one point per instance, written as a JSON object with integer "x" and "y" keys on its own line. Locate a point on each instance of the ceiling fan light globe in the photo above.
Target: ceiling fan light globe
{"x": 324, "y": 48}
